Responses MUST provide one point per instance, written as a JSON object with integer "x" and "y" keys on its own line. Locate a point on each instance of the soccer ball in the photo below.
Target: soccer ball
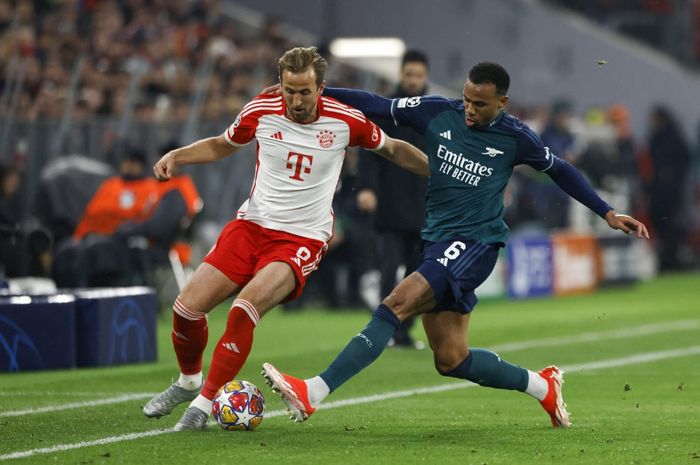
{"x": 238, "y": 405}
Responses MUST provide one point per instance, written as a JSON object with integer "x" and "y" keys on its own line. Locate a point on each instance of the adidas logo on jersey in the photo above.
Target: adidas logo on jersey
{"x": 447, "y": 134}
{"x": 442, "y": 261}
{"x": 277, "y": 135}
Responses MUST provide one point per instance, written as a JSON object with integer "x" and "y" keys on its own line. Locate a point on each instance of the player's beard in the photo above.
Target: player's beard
{"x": 300, "y": 117}
{"x": 303, "y": 116}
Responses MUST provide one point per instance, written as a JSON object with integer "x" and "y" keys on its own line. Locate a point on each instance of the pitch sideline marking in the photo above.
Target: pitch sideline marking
{"x": 601, "y": 364}
{"x": 73, "y": 394}
{"x": 644, "y": 330}
{"x": 89, "y": 403}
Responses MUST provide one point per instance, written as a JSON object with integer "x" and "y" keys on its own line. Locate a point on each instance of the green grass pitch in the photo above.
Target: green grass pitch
{"x": 632, "y": 386}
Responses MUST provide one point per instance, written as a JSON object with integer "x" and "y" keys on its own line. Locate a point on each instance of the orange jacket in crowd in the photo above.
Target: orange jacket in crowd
{"x": 118, "y": 201}
{"x": 115, "y": 202}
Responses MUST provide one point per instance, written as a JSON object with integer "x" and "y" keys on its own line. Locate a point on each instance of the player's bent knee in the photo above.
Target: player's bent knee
{"x": 447, "y": 361}
{"x": 402, "y": 312}
{"x": 393, "y": 301}
{"x": 399, "y": 305}
{"x": 182, "y": 299}
{"x": 445, "y": 369}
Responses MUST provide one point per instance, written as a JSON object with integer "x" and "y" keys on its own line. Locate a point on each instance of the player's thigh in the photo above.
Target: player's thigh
{"x": 207, "y": 288}
{"x": 447, "y": 336}
{"x": 270, "y": 285}
{"x": 412, "y": 296}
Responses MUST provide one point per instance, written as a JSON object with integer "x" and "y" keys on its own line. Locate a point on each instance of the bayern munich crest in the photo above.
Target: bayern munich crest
{"x": 325, "y": 139}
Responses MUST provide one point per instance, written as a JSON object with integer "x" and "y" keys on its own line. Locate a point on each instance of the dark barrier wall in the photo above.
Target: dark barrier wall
{"x": 116, "y": 326}
{"x": 37, "y": 333}
{"x": 83, "y": 329}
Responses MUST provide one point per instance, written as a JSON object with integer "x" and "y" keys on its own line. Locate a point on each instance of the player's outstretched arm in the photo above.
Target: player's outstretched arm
{"x": 203, "y": 151}
{"x": 626, "y": 224}
{"x": 372, "y": 105}
{"x": 405, "y": 155}
{"x": 573, "y": 183}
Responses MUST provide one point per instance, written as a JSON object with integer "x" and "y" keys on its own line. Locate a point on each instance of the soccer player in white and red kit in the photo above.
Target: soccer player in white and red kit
{"x": 280, "y": 233}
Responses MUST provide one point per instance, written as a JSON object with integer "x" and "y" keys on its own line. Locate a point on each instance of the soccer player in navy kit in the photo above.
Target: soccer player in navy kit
{"x": 473, "y": 145}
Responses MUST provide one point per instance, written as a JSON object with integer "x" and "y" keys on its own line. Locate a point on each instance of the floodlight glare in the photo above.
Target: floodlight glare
{"x": 367, "y": 47}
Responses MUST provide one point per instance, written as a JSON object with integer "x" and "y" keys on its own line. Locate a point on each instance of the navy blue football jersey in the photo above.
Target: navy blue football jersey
{"x": 469, "y": 166}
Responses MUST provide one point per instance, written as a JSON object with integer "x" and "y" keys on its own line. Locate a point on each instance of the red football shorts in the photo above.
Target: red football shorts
{"x": 244, "y": 248}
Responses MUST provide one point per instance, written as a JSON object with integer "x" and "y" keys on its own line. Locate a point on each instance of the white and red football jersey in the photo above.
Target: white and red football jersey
{"x": 298, "y": 165}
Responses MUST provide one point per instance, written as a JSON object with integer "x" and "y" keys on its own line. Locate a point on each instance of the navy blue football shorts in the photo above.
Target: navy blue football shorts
{"x": 454, "y": 268}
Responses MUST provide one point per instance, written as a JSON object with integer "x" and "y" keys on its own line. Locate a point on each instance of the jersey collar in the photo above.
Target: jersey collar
{"x": 497, "y": 119}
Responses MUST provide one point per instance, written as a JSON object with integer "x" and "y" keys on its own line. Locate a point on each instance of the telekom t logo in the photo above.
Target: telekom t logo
{"x": 299, "y": 164}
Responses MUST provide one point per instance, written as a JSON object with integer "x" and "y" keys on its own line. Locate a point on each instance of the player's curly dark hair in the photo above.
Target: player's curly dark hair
{"x": 490, "y": 73}
{"x": 299, "y": 59}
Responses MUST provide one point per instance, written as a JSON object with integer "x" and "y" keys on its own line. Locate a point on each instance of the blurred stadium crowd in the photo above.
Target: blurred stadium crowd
{"x": 114, "y": 83}
{"x": 164, "y": 43}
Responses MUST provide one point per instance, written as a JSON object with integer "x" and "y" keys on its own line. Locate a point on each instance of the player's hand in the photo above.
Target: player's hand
{"x": 626, "y": 224}
{"x": 366, "y": 201}
{"x": 164, "y": 169}
{"x": 273, "y": 90}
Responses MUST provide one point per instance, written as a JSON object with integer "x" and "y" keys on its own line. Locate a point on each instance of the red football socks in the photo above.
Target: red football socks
{"x": 190, "y": 335}
{"x": 233, "y": 348}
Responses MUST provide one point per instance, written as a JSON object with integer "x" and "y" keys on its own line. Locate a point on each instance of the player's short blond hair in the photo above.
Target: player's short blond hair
{"x": 298, "y": 59}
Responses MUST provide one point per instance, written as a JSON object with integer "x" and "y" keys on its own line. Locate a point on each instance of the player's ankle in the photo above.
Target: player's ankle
{"x": 537, "y": 386}
{"x": 317, "y": 390}
{"x": 202, "y": 403}
{"x": 190, "y": 382}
